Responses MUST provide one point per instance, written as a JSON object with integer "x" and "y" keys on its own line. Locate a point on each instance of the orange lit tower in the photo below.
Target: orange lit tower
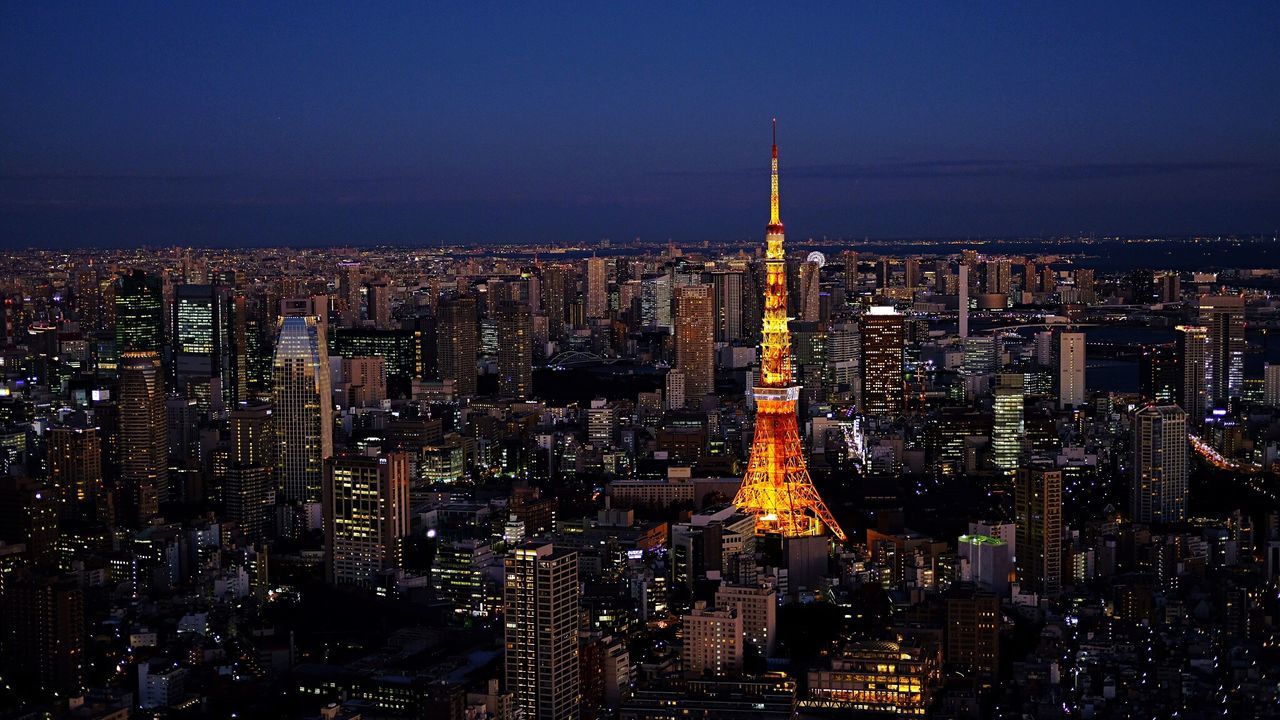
{"x": 777, "y": 488}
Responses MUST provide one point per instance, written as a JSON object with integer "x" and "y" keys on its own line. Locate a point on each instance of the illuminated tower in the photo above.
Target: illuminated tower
{"x": 777, "y": 488}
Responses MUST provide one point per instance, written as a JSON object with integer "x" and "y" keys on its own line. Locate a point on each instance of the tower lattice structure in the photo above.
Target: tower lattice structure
{"x": 777, "y": 488}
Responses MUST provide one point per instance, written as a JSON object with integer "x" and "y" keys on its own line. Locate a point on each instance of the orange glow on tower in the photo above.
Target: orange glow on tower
{"x": 777, "y": 488}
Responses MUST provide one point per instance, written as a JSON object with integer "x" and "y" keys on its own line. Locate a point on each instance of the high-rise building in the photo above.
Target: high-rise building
{"x": 366, "y": 515}
{"x": 541, "y": 617}
{"x": 1160, "y": 374}
{"x": 378, "y": 297}
{"x": 1071, "y": 369}
{"x": 303, "y": 408}
{"x": 555, "y": 288}
{"x": 712, "y": 642}
{"x": 42, "y": 618}
{"x": 809, "y": 291}
{"x": 1038, "y": 519}
{"x": 143, "y": 435}
{"x": 728, "y": 300}
{"x": 457, "y": 344}
{"x": 777, "y": 489}
{"x": 349, "y": 293}
{"x": 1271, "y": 385}
{"x": 597, "y": 287}
{"x": 1007, "y": 426}
{"x": 139, "y": 310}
{"x": 882, "y": 331}
{"x": 29, "y": 516}
{"x": 202, "y": 345}
{"x": 1223, "y": 317}
{"x": 850, "y": 258}
{"x": 695, "y": 341}
{"x": 1160, "y": 465}
{"x": 515, "y": 350}
{"x": 1193, "y": 348}
{"x": 75, "y": 465}
{"x": 757, "y": 606}
{"x": 675, "y": 396}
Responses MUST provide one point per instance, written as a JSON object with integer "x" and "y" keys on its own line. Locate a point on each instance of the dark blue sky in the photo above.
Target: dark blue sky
{"x": 338, "y": 123}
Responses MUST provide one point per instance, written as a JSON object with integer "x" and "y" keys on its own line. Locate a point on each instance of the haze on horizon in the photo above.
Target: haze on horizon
{"x": 213, "y": 124}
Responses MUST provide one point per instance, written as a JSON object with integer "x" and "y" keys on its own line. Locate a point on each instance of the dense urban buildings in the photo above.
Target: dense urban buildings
{"x": 789, "y": 479}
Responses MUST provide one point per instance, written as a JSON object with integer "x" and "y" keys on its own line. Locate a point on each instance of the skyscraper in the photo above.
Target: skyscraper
{"x": 1193, "y": 348}
{"x": 349, "y": 293}
{"x": 777, "y": 488}
{"x": 1223, "y": 316}
{"x": 139, "y": 309}
{"x": 728, "y": 300}
{"x": 597, "y": 287}
{"x": 810, "y": 290}
{"x": 458, "y": 343}
{"x": 303, "y": 408}
{"x": 1071, "y": 367}
{"x": 202, "y": 345}
{"x": 1160, "y": 374}
{"x": 1160, "y": 465}
{"x": 42, "y": 618}
{"x": 882, "y": 332}
{"x": 378, "y": 296}
{"x": 75, "y": 465}
{"x": 144, "y": 437}
{"x": 695, "y": 347}
{"x": 554, "y": 293}
{"x": 1006, "y": 427}
{"x": 540, "y": 608}
{"x": 515, "y": 350}
{"x": 366, "y": 515}
{"x": 1038, "y": 519}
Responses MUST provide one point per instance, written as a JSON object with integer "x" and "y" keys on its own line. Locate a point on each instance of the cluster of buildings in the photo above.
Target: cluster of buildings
{"x": 641, "y": 484}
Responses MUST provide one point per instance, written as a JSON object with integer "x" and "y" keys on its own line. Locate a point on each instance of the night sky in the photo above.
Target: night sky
{"x": 328, "y": 123}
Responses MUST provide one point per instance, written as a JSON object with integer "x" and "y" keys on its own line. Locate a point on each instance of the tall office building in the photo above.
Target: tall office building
{"x": 366, "y": 515}
{"x": 882, "y": 332}
{"x": 1160, "y": 465}
{"x": 202, "y": 345}
{"x": 1271, "y": 384}
{"x": 1007, "y": 422}
{"x": 911, "y": 273}
{"x": 695, "y": 345}
{"x": 1193, "y": 348}
{"x": 727, "y": 295}
{"x": 1223, "y": 317}
{"x": 555, "y": 287}
{"x": 515, "y": 350}
{"x": 458, "y": 343}
{"x": 597, "y": 287}
{"x": 1038, "y": 519}
{"x": 303, "y": 408}
{"x": 139, "y": 310}
{"x": 809, "y": 291}
{"x": 143, "y": 436}
{"x": 378, "y": 298}
{"x": 1071, "y": 369}
{"x": 75, "y": 465}
{"x": 349, "y": 293}
{"x": 1160, "y": 374}
{"x": 850, "y": 259}
{"x": 540, "y": 609}
{"x": 249, "y": 487}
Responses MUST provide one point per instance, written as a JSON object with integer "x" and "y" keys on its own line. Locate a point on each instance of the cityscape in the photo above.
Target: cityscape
{"x": 798, "y": 475}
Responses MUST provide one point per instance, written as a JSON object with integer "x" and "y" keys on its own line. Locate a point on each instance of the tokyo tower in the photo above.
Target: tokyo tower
{"x": 777, "y": 488}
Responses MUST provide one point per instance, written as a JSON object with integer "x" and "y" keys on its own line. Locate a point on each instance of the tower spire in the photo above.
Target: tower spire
{"x": 775, "y": 217}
